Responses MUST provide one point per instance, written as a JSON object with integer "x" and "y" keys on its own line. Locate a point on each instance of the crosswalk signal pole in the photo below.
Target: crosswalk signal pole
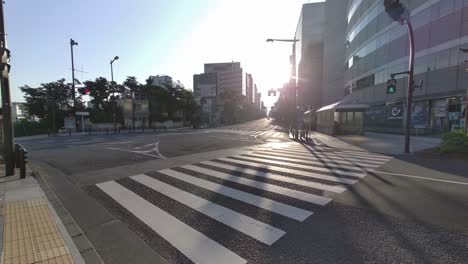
{"x": 400, "y": 14}
{"x": 6, "y": 101}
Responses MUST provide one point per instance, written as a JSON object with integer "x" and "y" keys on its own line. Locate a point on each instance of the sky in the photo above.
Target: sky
{"x": 151, "y": 37}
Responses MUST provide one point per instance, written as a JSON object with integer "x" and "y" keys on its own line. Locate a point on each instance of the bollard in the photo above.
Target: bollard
{"x": 107, "y": 131}
{"x": 23, "y": 160}
{"x": 89, "y": 131}
{"x": 69, "y": 131}
{"x": 17, "y": 156}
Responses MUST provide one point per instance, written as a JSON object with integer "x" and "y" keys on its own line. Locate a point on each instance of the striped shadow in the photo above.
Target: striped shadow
{"x": 247, "y": 225}
{"x": 295, "y": 165}
{"x": 327, "y": 161}
{"x": 330, "y": 155}
{"x": 303, "y": 196}
{"x": 255, "y": 200}
{"x": 290, "y": 171}
{"x": 304, "y": 160}
{"x": 193, "y": 244}
{"x": 277, "y": 177}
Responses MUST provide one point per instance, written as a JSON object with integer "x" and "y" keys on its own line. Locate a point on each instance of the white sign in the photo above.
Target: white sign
{"x": 82, "y": 113}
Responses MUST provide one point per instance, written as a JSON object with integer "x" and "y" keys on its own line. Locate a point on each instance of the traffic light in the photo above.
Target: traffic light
{"x": 391, "y": 86}
{"x": 394, "y": 9}
{"x": 84, "y": 90}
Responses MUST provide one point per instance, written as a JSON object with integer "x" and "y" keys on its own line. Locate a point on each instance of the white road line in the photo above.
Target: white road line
{"x": 311, "y": 184}
{"x": 45, "y": 141}
{"x": 311, "y": 198}
{"x": 334, "y": 156}
{"x": 190, "y": 242}
{"x": 120, "y": 142}
{"x": 330, "y": 162}
{"x": 365, "y": 156}
{"x": 318, "y": 163}
{"x": 293, "y": 171}
{"x": 278, "y": 134}
{"x": 420, "y": 177}
{"x": 291, "y": 164}
{"x": 269, "y": 134}
{"x": 255, "y": 200}
{"x": 245, "y": 224}
{"x": 72, "y": 140}
{"x": 252, "y": 133}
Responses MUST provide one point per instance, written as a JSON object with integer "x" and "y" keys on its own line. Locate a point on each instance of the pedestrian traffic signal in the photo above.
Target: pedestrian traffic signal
{"x": 394, "y": 9}
{"x": 391, "y": 86}
{"x": 84, "y": 90}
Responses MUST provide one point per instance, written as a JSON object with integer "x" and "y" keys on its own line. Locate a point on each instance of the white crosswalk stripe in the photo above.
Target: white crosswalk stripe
{"x": 265, "y": 203}
{"x": 336, "y": 171}
{"x": 228, "y": 192}
{"x": 187, "y": 240}
{"x": 249, "y": 226}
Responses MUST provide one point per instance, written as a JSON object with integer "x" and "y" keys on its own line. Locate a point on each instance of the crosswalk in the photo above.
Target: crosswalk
{"x": 253, "y": 199}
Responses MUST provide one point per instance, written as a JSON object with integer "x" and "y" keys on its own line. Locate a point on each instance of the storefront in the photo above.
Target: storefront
{"x": 434, "y": 116}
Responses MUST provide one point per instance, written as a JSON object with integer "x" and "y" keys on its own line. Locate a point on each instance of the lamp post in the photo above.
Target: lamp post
{"x": 113, "y": 94}
{"x": 292, "y": 80}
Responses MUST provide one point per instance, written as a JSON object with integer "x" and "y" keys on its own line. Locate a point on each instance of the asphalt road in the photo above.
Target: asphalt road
{"x": 246, "y": 193}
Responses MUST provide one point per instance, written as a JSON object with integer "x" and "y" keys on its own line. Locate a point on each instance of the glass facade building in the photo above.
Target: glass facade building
{"x": 376, "y": 47}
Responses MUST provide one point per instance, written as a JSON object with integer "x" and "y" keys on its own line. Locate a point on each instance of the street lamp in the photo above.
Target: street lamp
{"x": 292, "y": 79}
{"x": 113, "y": 94}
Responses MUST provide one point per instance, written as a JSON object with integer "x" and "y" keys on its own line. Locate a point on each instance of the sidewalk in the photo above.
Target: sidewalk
{"x": 390, "y": 143}
{"x": 375, "y": 142}
{"x": 31, "y": 229}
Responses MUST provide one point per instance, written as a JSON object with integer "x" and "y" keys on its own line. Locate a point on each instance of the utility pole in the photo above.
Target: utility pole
{"x": 6, "y": 101}
{"x": 400, "y": 14}
{"x": 73, "y": 43}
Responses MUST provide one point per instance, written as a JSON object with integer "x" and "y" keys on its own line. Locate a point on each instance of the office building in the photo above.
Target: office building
{"x": 206, "y": 91}
{"x": 376, "y": 47}
{"x": 230, "y": 76}
{"x": 164, "y": 81}
{"x": 18, "y": 111}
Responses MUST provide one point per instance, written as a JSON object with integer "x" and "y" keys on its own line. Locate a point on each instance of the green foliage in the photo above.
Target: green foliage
{"x": 28, "y": 128}
{"x": 51, "y": 101}
{"x": 455, "y": 142}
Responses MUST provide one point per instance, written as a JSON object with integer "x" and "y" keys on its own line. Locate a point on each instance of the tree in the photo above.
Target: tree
{"x": 100, "y": 92}
{"x": 132, "y": 89}
{"x": 232, "y": 103}
{"x": 52, "y": 101}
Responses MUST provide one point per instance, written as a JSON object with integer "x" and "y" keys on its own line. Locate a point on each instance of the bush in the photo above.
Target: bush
{"x": 455, "y": 142}
{"x": 28, "y": 128}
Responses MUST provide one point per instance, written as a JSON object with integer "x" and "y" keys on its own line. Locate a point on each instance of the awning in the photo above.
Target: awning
{"x": 340, "y": 107}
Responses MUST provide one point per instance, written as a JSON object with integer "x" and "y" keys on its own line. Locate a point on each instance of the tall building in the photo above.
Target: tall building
{"x": 309, "y": 55}
{"x": 249, "y": 85}
{"x": 206, "y": 91}
{"x": 164, "y": 81}
{"x": 376, "y": 47}
{"x": 230, "y": 76}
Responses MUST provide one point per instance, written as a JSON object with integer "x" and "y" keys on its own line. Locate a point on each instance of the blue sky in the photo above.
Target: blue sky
{"x": 173, "y": 37}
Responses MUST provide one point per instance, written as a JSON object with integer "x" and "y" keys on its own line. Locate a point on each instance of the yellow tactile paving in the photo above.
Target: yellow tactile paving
{"x": 31, "y": 235}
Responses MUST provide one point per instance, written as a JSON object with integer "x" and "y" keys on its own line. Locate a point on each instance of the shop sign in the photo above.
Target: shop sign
{"x": 395, "y": 111}
{"x": 420, "y": 114}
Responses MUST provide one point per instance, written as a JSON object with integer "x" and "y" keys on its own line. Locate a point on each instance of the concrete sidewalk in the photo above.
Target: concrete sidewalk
{"x": 30, "y": 226}
{"x": 375, "y": 142}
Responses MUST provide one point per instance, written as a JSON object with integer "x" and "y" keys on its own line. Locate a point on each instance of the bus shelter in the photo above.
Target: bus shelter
{"x": 341, "y": 119}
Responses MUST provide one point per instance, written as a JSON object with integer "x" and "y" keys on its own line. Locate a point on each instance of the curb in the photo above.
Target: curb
{"x": 85, "y": 249}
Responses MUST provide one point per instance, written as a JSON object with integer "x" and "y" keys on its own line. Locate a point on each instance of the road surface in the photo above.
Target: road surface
{"x": 249, "y": 194}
